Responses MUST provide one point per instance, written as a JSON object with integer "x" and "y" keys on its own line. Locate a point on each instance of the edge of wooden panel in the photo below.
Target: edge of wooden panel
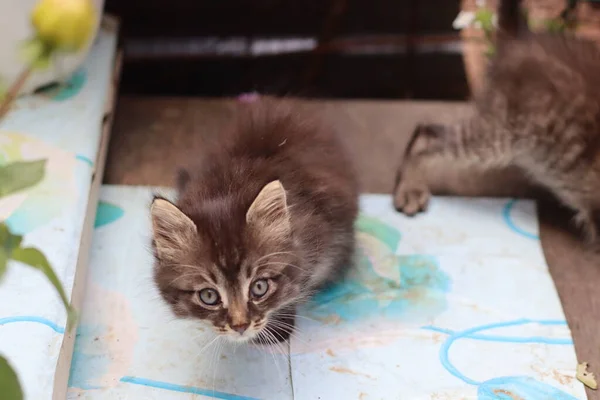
{"x": 63, "y": 367}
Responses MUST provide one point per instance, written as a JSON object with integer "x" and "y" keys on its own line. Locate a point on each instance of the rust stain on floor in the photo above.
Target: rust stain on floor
{"x": 507, "y": 393}
{"x": 563, "y": 379}
{"x": 343, "y": 370}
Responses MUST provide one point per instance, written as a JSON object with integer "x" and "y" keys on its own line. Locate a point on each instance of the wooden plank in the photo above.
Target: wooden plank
{"x": 61, "y": 378}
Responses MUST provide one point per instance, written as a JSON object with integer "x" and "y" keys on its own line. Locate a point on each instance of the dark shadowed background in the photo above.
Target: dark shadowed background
{"x": 320, "y": 48}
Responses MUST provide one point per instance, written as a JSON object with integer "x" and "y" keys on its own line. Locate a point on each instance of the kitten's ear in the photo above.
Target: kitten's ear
{"x": 172, "y": 230}
{"x": 269, "y": 212}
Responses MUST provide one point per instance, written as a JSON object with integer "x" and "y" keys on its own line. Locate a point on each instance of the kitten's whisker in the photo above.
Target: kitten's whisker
{"x": 282, "y": 338}
{"x": 277, "y": 263}
{"x": 280, "y": 322}
{"x": 272, "y": 342}
{"x": 218, "y": 353}
{"x": 294, "y": 327}
{"x": 283, "y": 348}
{"x": 213, "y": 361}
{"x": 263, "y": 341}
{"x": 281, "y": 263}
{"x": 276, "y": 343}
{"x": 182, "y": 265}
{"x": 277, "y": 253}
{"x": 290, "y": 329}
{"x": 287, "y": 326}
{"x": 185, "y": 276}
{"x": 296, "y": 316}
{"x": 206, "y": 346}
{"x": 296, "y": 301}
{"x": 292, "y": 335}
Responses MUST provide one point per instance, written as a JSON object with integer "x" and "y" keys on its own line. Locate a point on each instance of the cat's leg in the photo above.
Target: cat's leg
{"x": 558, "y": 165}
{"x": 569, "y": 166}
{"x": 593, "y": 227}
{"x": 578, "y": 192}
{"x": 588, "y": 221}
{"x": 435, "y": 149}
{"x": 411, "y": 193}
{"x": 583, "y": 203}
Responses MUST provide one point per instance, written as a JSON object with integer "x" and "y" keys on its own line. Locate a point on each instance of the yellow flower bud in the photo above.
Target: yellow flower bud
{"x": 65, "y": 25}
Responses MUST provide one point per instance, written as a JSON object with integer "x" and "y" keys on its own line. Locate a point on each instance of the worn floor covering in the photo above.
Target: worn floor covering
{"x": 151, "y": 134}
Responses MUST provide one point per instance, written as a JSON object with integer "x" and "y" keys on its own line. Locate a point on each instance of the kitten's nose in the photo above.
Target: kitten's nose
{"x": 240, "y": 328}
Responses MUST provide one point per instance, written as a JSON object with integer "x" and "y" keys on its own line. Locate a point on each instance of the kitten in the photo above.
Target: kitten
{"x": 539, "y": 111}
{"x": 264, "y": 219}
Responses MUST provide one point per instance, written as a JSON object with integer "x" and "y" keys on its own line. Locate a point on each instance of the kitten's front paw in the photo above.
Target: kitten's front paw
{"x": 412, "y": 194}
{"x": 411, "y": 197}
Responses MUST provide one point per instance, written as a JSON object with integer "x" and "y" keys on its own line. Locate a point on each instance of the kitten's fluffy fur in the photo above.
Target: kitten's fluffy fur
{"x": 269, "y": 207}
{"x": 540, "y": 111}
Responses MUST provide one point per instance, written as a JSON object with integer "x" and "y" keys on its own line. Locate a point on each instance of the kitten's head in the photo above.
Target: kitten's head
{"x": 234, "y": 270}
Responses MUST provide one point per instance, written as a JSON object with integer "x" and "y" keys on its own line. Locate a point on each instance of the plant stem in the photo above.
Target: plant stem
{"x": 14, "y": 91}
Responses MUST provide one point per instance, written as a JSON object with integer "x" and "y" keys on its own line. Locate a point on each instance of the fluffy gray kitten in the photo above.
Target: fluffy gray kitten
{"x": 539, "y": 111}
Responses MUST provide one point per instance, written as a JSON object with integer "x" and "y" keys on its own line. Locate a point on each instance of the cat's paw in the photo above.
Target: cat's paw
{"x": 411, "y": 198}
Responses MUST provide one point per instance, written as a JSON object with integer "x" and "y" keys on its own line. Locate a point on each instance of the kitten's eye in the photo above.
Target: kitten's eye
{"x": 210, "y": 297}
{"x": 259, "y": 288}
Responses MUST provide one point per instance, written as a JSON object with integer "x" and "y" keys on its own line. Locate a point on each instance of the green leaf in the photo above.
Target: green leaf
{"x": 485, "y": 17}
{"x": 3, "y": 262}
{"x": 554, "y": 26}
{"x": 3, "y": 89}
{"x": 31, "y": 49}
{"x": 36, "y": 53}
{"x": 35, "y": 258}
{"x": 20, "y": 175}
{"x": 4, "y": 234}
{"x": 42, "y": 62}
{"x": 9, "y": 382}
{"x": 8, "y": 240}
